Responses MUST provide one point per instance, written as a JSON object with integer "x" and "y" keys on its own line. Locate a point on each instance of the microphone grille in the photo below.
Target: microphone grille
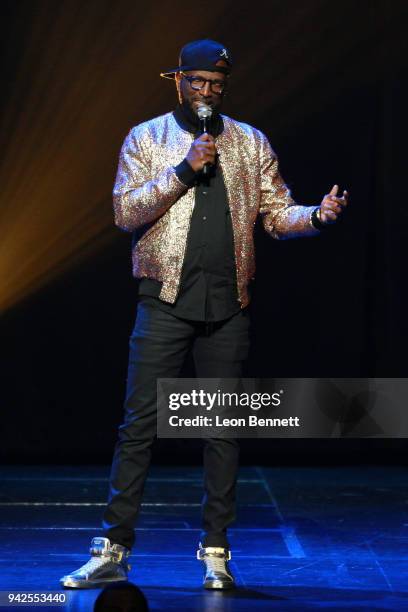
{"x": 204, "y": 111}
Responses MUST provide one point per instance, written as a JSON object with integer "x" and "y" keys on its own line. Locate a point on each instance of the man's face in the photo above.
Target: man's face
{"x": 192, "y": 99}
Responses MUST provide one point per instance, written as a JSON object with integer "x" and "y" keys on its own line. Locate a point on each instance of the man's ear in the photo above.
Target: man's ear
{"x": 177, "y": 79}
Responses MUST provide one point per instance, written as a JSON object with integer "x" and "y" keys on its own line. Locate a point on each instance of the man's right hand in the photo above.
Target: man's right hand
{"x": 201, "y": 152}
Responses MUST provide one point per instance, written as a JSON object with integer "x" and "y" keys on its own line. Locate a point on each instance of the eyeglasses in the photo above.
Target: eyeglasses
{"x": 197, "y": 83}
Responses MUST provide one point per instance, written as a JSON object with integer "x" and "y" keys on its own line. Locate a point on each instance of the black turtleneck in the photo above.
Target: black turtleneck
{"x": 208, "y": 290}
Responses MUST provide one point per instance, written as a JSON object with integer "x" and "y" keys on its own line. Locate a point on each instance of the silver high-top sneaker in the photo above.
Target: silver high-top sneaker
{"x": 217, "y": 574}
{"x": 107, "y": 564}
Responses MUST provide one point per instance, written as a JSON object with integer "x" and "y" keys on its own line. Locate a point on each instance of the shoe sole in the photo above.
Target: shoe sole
{"x": 89, "y": 584}
{"x": 218, "y": 584}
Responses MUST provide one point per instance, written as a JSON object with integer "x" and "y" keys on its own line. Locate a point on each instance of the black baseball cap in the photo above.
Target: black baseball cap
{"x": 202, "y": 55}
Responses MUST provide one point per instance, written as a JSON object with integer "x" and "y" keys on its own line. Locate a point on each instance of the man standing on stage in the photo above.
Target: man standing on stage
{"x": 192, "y": 201}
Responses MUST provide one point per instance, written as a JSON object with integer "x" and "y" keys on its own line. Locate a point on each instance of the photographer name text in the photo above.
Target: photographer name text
{"x": 250, "y": 421}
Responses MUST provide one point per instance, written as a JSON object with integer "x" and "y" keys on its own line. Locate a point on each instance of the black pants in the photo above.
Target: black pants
{"x": 158, "y": 346}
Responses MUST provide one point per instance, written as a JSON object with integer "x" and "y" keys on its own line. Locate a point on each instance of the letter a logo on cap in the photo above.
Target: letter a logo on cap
{"x": 224, "y": 54}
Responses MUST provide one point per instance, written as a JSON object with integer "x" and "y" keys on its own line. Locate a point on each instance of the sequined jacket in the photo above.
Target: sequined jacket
{"x": 149, "y": 197}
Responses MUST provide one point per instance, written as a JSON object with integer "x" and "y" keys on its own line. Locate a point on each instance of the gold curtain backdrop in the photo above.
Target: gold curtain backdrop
{"x": 80, "y": 74}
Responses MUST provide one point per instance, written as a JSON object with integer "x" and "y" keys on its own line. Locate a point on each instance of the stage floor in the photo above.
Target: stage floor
{"x": 305, "y": 539}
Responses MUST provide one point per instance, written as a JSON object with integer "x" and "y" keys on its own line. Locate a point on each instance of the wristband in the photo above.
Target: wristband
{"x": 316, "y": 221}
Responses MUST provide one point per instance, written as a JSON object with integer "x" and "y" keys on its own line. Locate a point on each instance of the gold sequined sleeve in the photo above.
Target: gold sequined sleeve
{"x": 138, "y": 197}
{"x": 282, "y": 218}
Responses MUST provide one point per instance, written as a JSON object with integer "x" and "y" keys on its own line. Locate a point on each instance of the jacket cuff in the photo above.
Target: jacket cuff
{"x": 185, "y": 173}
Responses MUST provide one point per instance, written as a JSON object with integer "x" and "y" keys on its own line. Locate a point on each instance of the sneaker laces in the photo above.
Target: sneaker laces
{"x": 93, "y": 564}
{"x": 215, "y": 564}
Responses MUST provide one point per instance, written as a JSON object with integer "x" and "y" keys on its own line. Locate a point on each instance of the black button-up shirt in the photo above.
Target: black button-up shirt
{"x": 208, "y": 289}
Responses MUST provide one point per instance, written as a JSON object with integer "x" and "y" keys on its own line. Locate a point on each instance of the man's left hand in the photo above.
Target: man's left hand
{"x": 332, "y": 206}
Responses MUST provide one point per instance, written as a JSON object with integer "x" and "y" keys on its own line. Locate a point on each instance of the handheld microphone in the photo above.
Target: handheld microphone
{"x": 204, "y": 113}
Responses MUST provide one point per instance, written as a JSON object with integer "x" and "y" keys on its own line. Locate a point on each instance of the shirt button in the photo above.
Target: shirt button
{"x": 204, "y": 218}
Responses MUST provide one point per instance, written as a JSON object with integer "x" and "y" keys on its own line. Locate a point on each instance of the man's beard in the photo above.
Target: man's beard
{"x": 192, "y": 115}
